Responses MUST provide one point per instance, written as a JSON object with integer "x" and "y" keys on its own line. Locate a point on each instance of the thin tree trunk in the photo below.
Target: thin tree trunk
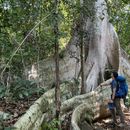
{"x": 57, "y": 89}
{"x": 82, "y": 47}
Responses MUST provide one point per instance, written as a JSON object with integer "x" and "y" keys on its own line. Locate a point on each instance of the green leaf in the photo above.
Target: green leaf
{"x": 26, "y": 93}
{"x": 21, "y": 96}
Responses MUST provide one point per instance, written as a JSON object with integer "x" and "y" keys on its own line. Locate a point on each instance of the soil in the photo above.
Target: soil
{"x": 15, "y": 108}
{"x": 104, "y": 124}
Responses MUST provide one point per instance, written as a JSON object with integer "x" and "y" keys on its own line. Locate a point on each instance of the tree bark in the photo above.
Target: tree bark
{"x": 57, "y": 88}
{"x": 101, "y": 44}
{"x": 82, "y": 47}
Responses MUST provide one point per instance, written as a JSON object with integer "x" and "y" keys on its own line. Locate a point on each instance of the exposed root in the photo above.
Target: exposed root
{"x": 80, "y": 113}
{"x": 90, "y": 106}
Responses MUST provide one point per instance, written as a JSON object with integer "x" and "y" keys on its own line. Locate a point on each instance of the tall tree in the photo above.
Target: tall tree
{"x": 82, "y": 47}
{"x": 119, "y": 12}
{"x": 57, "y": 88}
{"x": 100, "y": 41}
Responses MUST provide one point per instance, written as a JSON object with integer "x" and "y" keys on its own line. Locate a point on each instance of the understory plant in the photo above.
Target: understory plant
{"x": 20, "y": 89}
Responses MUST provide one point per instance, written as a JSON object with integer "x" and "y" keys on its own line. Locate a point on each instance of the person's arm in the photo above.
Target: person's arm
{"x": 106, "y": 83}
{"x": 113, "y": 94}
{"x": 114, "y": 86}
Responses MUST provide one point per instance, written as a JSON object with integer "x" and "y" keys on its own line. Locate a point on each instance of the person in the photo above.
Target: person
{"x": 115, "y": 100}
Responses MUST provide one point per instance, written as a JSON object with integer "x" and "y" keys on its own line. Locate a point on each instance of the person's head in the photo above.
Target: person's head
{"x": 114, "y": 75}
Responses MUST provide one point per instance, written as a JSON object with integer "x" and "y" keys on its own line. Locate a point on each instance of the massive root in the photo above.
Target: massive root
{"x": 90, "y": 106}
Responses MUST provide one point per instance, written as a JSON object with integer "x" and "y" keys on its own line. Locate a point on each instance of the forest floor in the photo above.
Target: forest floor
{"x": 12, "y": 110}
{"x": 104, "y": 124}
{"x": 17, "y": 108}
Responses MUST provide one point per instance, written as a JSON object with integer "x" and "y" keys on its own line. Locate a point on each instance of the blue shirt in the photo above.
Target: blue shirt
{"x": 113, "y": 85}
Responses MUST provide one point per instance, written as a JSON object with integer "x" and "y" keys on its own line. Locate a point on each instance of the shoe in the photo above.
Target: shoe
{"x": 121, "y": 125}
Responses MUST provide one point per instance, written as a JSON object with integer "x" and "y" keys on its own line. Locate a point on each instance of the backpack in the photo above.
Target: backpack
{"x": 122, "y": 87}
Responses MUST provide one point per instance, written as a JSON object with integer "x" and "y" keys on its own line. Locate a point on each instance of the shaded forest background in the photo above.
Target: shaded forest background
{"x": 19, "y": 17}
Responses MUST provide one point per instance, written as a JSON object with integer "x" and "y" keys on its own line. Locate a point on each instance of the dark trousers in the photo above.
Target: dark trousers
{"x": 117, "y": 110}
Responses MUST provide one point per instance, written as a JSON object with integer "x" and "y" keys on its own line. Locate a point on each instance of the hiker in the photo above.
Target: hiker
{"x": 117, "y": 94}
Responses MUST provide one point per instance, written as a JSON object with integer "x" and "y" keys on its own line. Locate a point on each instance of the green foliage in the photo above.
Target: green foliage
{"x": 119, "y": 12}
{"x": 22, "y": 89}
{"x": 2, "y": 90}
{"x": 50, "y": 125}
{"x": 19, "y": 17}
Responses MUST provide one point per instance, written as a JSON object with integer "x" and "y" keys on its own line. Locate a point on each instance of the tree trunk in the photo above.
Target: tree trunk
{"x": 101, "y": 44}
{"x": 81, "y": 47}
{"x": 57, "y": 88}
